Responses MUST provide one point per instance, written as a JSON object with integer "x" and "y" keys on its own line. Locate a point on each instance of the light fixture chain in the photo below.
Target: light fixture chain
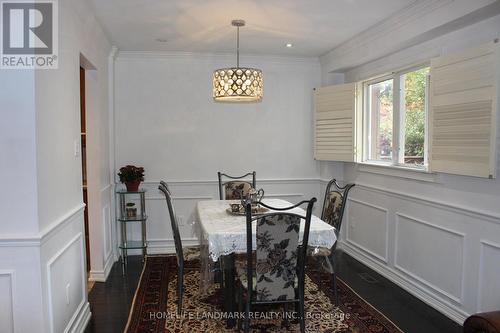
{"x": 238, "y": 47}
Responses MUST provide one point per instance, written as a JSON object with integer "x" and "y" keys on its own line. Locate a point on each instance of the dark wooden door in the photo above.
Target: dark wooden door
{"x": 83, "y": 130}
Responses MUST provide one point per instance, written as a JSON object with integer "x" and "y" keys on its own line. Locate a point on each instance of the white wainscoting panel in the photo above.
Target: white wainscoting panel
{"x": 7, "y": 301}
{"x": 102, "y": 236}
{"x": 66, "y": 287}
{"x": 431, "y": 254}
{"x": 107, "y": 237}
{"x": 489, "y": 277}
{"x": 367, "y": 228}
{"x": 446, "y": 255}
{"x": 20, "y": 287}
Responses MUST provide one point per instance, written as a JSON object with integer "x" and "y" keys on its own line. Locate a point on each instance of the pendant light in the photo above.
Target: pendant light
{"x": 238, "y": 84}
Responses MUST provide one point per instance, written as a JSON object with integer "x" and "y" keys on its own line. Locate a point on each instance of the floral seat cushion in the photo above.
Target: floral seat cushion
{"x": 331, "y": 215}
{"x": 333, "y": 209}
{"x": 276, "y": 257}
{"x": 241, "y": 273}
{"x": 234, "y": 189}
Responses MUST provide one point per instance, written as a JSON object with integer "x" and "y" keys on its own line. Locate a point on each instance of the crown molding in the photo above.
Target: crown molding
{"x": 394, "y": 22}
{"x": 113, "y": 53}
{"x": 419, "y": 22}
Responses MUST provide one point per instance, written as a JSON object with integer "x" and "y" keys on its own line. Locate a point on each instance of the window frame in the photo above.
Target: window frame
{"x": 397, "y": 135}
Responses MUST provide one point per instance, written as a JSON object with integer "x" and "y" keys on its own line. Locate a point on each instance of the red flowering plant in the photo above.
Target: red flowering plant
{"x": 132, "y": 176}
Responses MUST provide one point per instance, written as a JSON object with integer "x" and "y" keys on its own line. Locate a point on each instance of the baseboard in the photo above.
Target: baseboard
{"x": 340, "y": 245}
{"x": 81, "y": 320}
{"x": 167, "y": 246}
{"x": 102, "y": 276}
{"x": 449, "y": 310}
{"x": 164, "y": 246}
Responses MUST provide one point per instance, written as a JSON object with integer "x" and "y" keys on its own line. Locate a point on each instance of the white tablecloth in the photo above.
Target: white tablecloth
{"x": 225, "y": 233}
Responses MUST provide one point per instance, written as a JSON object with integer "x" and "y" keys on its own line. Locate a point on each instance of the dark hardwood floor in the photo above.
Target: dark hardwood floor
{"x": 110, "y": 301}
{"x": 409, "y": 313}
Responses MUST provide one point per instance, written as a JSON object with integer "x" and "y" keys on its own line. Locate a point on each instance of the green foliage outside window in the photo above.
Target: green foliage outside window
{"x": 415, "y": 83}
{"x": 386, "y": 110}
{"x": 412, "y": 110}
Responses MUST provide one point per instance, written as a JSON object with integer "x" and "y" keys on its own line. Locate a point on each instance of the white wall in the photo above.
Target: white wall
{"x": 42, "y": 258}
{"x": 17, "y": 130}
{"x": 100, "y": 191}
{"x": 82, "y": 43}
{"x": 438, "y": 236}
{"x": 166, "y": 121}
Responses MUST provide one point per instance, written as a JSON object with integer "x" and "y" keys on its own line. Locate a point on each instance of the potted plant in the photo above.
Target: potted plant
{"x": 131, "y": 176}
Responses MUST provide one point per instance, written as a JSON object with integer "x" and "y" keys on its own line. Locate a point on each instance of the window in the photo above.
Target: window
{"x": 380, "y": 120}
{"x": 395, "y": 118}
{"x": 385, "y": 121}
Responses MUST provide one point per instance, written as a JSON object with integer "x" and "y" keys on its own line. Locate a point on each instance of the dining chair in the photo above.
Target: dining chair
{"x": 235, "y": 187}
{"x": 334, "y": 205}
{"x": 278, "y": 274}
{"x": 164, "y": 184}
{"x": 179, "y": 250}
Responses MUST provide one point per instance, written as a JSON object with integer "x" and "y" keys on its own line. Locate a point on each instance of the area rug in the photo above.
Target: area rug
{"x": 154, "y": 310}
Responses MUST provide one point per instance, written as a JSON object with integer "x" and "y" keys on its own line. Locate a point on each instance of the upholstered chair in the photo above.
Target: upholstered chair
{"x": 277, "y": 274}
{"x": 182, "y": 254}
{"x": 334, "y": 205}
{"x": 233, "y": 188}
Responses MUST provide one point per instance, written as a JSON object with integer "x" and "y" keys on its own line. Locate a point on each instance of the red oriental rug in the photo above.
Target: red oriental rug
{"x": 154, "y": 309}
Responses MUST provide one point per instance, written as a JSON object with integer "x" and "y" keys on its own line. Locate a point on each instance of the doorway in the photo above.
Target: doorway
{"x": 83, "y": 149}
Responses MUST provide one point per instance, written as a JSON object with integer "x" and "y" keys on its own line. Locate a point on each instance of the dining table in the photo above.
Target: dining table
{"x": 222, "y": 235}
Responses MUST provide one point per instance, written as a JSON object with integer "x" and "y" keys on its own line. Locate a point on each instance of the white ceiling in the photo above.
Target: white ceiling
{"x": 313, "y": 26}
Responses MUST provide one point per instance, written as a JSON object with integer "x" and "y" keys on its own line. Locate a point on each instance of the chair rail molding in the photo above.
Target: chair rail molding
{"x": 284, "y": 195}
{"x": 450, "y": 206}
{"x": 215, "y": 181}
{"x": 42, "y": 237}
{"x": 194, "y": 197}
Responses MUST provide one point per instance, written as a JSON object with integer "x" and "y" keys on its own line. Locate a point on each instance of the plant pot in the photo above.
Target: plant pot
{"x": 132, "y": 186}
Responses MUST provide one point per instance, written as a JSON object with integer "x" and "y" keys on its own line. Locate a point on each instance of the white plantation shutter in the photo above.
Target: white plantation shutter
{"x": 463, "y": 112}
{"x": 334, "y": 109}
